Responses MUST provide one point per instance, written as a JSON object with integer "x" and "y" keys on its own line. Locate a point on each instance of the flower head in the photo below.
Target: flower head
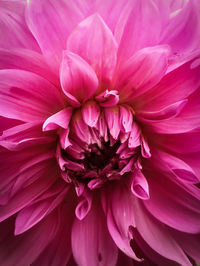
{"x": 100, "y": 113}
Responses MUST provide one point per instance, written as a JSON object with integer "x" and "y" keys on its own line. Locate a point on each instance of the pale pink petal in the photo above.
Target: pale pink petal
{"x": 77, "y": 77}
{"x": 139, "y": 185}
{"x": 14, "y": 31}
{"x": 142, "y": 71}
{"x": 51, "y": 23}
{"x": 134, "y": 138}
{"x": 154, "y": 232}
{"x": 112, "y": 119}
{"x": 27, "y": 96}
{"x": 126, "y": 118}
{"x": 93, "y": 41}
{"x": 90, "y": 113}
{"x": 128, "y": 31}
{"x": 60, "y": 119}
{"x": 108, "y": 98}
{"x": 91, "y": 241}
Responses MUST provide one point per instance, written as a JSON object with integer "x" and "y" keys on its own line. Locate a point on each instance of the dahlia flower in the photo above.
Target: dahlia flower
{"x": 100, "y": 136}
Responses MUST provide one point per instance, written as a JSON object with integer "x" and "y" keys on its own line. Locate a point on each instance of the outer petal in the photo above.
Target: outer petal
{"x": 27, "y": 96}
{"x": 119, "y": 208}
{"x": 79, "y": 81}
{"x": 30, "y": 192}
{"x": 27, "y": 134}
{"x": 58, "y": 251}
{"x": 182, "y": 33}
{"x": 141, "y": 15}
{"x": 37, "y": 238}
{"x": 94, "y": 41}
{"x": 142, "y": 71}
{"x": 175, "y": 86}
{"x": 91, "y": 242}
{"x": 172, "y": 204}
{"x": 35, "y": 212}
{"x": 14, "y": 31}
{"x": 153, "y": 232}
{"x": 51, "y": 22}
{"x": 25, "y": 59}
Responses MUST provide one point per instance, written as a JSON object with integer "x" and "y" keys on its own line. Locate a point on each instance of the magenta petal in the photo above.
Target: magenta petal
{"x": 120, "y": 215}
{"x": 28, "y": 60}
{"x": 142, "y": 71}
{"x": 27, "y": 96}
{"x": 38, "y": 238}
{"x": 35, "y": 212}
{"x": 182, "y": 33}
{"x": 153, "y": 232}
{"x": 112, "y": 119}
{"x": 94, "y": 42}
{"x": 128, "y": 31}
{"x": 172, "y": 204}
{"x": 52, "y": 39}
{"x": 179, "y": 168}
{"x": 21, "y": 136}
{"x": 60, "y": 119}
{"x": 174, "y": 87}
{"x": 77, "y": 77}
{"x": 28, "y": 194}
{"x": 90, "y": 113}
{"x": 139, "y": 186}
{"x": 84, "y": 206}
{"x": 14, "y": 31}
{"x": 108, "y": 98}
{"x": 99, "y": 247}
{"x": 58, "y": 251}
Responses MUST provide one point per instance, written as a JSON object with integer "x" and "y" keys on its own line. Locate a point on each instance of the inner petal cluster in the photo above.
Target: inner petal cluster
{"x": 99, "y": 144}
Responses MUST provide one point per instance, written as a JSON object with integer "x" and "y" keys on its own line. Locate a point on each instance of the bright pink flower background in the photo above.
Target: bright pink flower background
{"x": 100, "y": 137}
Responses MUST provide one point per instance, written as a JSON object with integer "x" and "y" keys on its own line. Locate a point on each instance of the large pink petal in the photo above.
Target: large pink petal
{"x": 171, "y": 203}
{"x": 27, "y": 134}
{"x": 51, "y": 23}
{"x": 153, "y": 232}
{"x": 79, "y": 81}
{"x": 94, "y": 42}
{"x": 14, "y": 31}
{"x": 58, "y": 251}
{"x": 134, "y": 32}
{"x": 35, "y": 212}
{"x": 119, "y": 207}
{"x": 186, "y": 119}
{"x": 189, "y": 243}
{"x": 27, "y": 96}
{"x": 25, "y": 59}
{"x": 175, "y": 86}
{"x": 91, "y": 241}
{"x": 28, "y": 193}
{"x": 27, "y": 247}
{"x": 182, "y": 33}
{"x": 142, "y": 71}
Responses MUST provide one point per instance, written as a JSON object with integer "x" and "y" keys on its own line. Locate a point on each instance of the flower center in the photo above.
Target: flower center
{"x": 102, "y": 144}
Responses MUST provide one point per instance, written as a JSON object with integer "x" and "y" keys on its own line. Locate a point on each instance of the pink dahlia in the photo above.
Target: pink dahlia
{"x": 100, "y": 132}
